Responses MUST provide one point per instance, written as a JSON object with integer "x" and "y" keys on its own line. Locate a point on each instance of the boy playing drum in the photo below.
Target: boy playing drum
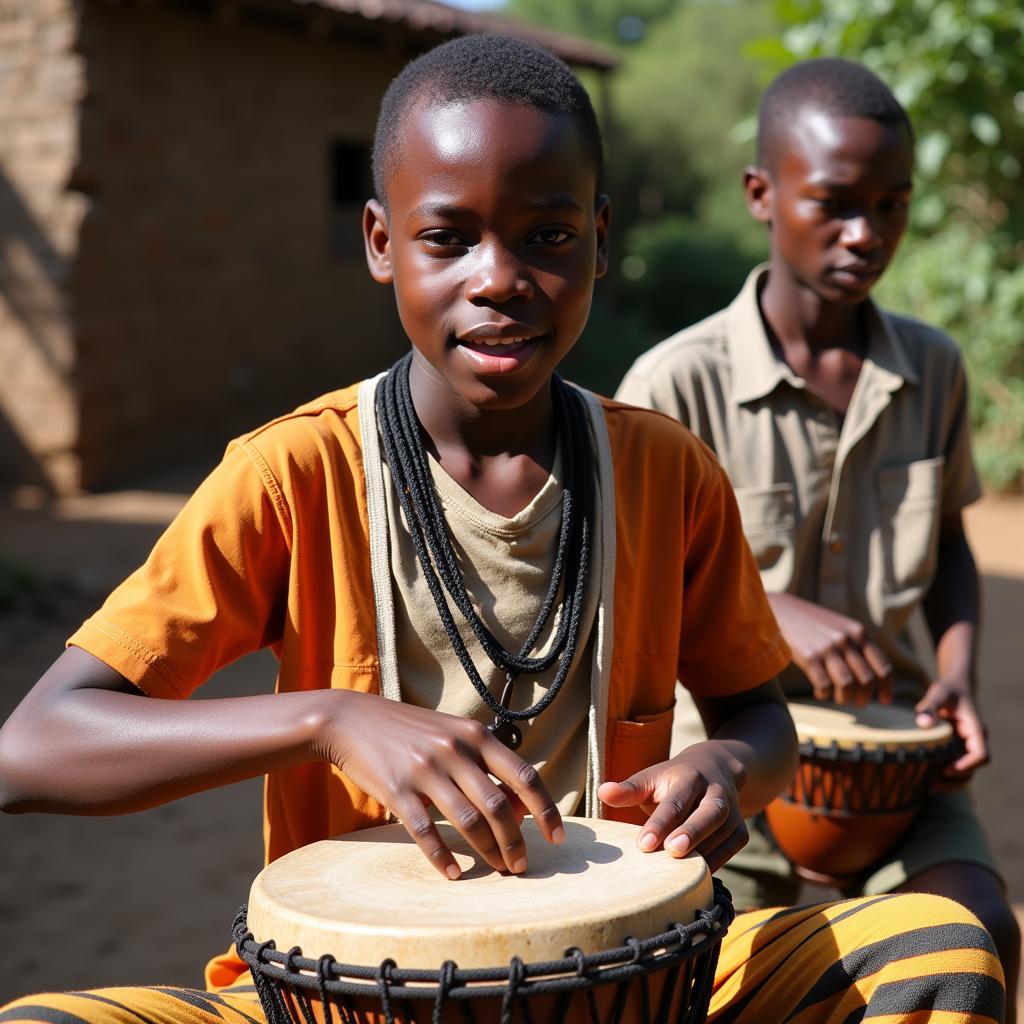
{"x": 480, "y": 543}
{"x": 844, "y": 430}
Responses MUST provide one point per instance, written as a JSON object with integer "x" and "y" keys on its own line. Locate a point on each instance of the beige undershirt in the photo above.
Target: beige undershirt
{"x": 507, "y": 564}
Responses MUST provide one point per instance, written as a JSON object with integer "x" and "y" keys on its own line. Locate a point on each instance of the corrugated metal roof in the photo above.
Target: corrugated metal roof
{"x": 431, "y": 16}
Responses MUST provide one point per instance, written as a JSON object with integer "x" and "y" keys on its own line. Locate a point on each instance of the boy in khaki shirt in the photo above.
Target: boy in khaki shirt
{"x": 845, "y": 433}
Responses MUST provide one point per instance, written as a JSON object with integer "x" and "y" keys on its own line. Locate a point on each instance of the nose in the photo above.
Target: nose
{"x": 859, "y": 232}
{"x": 498, "y": 276}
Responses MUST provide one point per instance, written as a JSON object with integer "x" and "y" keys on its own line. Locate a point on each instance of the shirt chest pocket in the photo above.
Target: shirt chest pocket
{"x": 910, "y": 501}
{"x": 769, "y": 518}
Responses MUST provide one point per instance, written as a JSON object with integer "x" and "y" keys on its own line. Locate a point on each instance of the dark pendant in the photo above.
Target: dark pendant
{"x": 508, "y": 732}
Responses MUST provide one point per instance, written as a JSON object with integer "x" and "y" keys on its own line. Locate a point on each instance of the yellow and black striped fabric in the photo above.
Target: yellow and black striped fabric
{"x": 892, "y": 959}
{"x": 151, "y": 1004}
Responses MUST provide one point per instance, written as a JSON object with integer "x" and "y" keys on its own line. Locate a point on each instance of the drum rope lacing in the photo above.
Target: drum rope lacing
{"x": 400, "y": 432}
{"x": 283, "y": 978}
{"x": 858, "y": 792}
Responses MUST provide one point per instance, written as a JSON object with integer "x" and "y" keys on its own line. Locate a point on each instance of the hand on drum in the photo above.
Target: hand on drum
{"x": 951, "y": 699}
{"x": 833, "y": 651}
{"x": 693, "y": 803}
{"x": 410, "y": 758}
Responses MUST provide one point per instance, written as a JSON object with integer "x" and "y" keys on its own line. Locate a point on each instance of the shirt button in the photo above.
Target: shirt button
{"x": 835, "y": 544}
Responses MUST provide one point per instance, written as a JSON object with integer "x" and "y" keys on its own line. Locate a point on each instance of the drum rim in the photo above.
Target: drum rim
{"x": 856, "y": 752}
{"x": 940, "y": 735}
{"x": 326, "y": 976}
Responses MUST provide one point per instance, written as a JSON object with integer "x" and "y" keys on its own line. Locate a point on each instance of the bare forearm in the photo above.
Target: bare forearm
{"x": 956, "y": 653}
{"x": 760, "y": 736}
{"x": 952, "y": 607}
{"x": 104, "y": 751}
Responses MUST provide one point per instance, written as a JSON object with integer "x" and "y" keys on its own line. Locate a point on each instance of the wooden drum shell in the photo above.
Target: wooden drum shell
{"x": 864, "y": 776}
{"x": 666, "y": 999}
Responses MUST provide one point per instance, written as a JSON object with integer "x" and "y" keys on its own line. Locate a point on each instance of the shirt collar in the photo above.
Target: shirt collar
{"x": 757, "y": 370}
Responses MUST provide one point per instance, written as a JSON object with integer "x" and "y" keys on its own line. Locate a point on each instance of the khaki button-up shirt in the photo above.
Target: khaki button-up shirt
{"x": 845, "y": 514}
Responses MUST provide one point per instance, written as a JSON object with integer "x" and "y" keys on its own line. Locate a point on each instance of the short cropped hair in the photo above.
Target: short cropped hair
{"x": 837, "y": 87}
{"x": 479, "y": 67}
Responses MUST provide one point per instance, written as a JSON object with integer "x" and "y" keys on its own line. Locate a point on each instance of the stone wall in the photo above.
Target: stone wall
{"x": 41, "y": 84}
{"x": 218, "y": 283}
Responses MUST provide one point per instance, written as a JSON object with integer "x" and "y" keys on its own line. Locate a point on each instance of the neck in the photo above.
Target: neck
{"x": 452, "y": 422}
{"x": 799, "y": 317}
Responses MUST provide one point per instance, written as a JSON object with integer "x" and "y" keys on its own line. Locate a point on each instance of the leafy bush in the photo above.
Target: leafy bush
{"x": 952, "y": 279}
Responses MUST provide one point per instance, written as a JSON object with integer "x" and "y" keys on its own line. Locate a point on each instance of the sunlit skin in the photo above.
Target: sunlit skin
{"x": 836, "y": 198}
{"x": 494, "y": 232}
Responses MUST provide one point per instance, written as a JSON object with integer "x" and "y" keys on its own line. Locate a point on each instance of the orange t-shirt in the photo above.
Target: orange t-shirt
{"x": 273, "y": 549}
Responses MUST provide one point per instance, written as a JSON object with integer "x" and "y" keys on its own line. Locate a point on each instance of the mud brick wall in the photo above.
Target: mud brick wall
{"x": 217, "y": 281}
{"x": 41, "y": 85}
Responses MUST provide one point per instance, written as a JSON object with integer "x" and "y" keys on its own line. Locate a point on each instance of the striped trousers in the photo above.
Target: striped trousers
{"x": 892, "y": 959}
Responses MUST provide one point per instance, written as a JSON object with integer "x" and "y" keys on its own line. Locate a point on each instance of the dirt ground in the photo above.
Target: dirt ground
{"x": 146, "y": 898}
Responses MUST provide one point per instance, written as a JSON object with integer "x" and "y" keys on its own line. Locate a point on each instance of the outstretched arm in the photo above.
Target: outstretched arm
{"x": 698, "y": 799}
{"x": 86, "y": 741}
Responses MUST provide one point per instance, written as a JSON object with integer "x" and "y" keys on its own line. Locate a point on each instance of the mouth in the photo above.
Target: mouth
{"x": 856, "y": 275}
{"x": 497, "y": 353}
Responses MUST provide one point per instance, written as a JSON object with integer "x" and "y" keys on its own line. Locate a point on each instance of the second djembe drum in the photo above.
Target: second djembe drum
{"x": 363, "y": 930}
{"x": 863, "y": 777}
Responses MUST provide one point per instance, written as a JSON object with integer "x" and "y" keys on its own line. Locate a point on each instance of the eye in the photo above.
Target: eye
{"x": 551, "y": 236}
{"x": 895, "y": 205}
{"x": 827, "y": 204}
{"x": 441, "y": 238}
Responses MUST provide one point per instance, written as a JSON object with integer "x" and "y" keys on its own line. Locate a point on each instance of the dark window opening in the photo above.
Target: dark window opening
{"x": 350, "y": 185}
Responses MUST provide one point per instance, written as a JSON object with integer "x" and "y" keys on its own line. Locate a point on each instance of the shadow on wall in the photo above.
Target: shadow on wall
{"x": 36, "y": 357}
{"x": 17, "y": 461}
{"x": 32, "y": 273}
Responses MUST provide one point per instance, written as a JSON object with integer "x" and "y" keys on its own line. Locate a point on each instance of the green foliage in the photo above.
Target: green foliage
{"x": 957, "y": 66}
{"x": 952, "y": 279}
{"x": 678, "y": 272}
{"x": 610, "y": 21}
{"x": 675, "y": 272}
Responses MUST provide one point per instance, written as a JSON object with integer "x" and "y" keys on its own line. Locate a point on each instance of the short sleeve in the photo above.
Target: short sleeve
{"x": 729, "y": 639}
{"x": 647, "y": 388}
{"x": 213, "y": 588}
{"x": 960, "y": 486}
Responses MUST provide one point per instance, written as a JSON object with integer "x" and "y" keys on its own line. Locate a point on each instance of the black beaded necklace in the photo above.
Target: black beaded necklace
{"x": 400, "y": 432}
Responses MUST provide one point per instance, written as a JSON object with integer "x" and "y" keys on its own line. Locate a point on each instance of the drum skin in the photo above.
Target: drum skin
{"x": 864, "y": 776}
{"x": 372, "y": 897}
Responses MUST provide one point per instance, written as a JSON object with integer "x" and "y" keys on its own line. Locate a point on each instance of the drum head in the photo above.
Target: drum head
{"x": 370, "y": 896}
{"x": 872, "y": 726}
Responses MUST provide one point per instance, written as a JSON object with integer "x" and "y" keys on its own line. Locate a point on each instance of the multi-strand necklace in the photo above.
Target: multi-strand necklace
{"x": 401, "y": 435}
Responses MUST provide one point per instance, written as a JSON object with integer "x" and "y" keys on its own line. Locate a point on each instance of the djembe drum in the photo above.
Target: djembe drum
{"x": 364, "y": 930}
{"x": 864, "y": 775}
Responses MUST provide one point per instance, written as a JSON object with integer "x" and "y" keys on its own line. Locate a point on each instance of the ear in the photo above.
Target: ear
{"x": 757, "y": 184}
{"x": 377, "y": 238}
{"x": 602, "y": 219}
